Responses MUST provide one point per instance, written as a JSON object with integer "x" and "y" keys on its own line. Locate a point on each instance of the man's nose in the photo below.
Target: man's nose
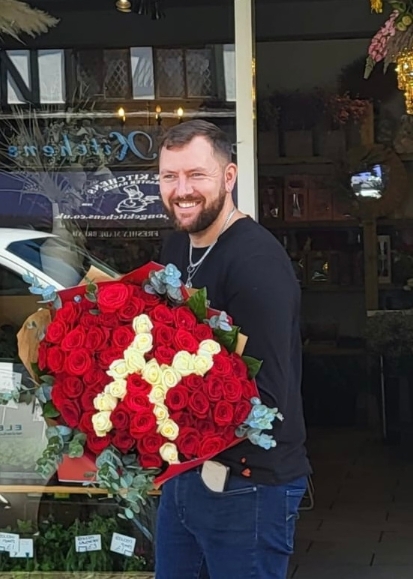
{"x": 183, "y": 186}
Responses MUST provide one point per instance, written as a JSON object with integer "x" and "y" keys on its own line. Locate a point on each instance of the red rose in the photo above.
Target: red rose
{"x": 55, "y": 359}
{"x": 85, "y": 423}
{"x": 107, "y": 320}
{"x": 199, "y": 404}
{"x": 177, "y": 398}
{"x": 188, "y": 442}
{"x": 203, "y": 332}
{"x": 96, "y": 378}
{"x": 96, "y": 338}
{"x": 71, "y": 413}
{"x": 211, "y": 445}
{"x": 239, "y": 367}
{"x": 222, "y": 366}
{"x": 132, "y": 309}
{"x": 214, "y": 387}
{"x": 87, "y": 399}
{"x": 122, "y": 441}
{"x": 193, "y": 382}
{"x": 137, "y": 385}
{"x": 150, "y": 461}
{"x": 164, "y": 355}
{"x": 89, "y": 320}
{"x": 232, "y": 390}
{"x": 78, "y": 362}
{"x": 137, "y": 401}
{"x": 55, "y": 332}
{"x": 185, "y": 319}
{"x": 241, "y": 411}
{"x": 150, "y": 444}
{"x": 113, "y": 297}
{"x": 74, "y": 339}
{"x": 97, "y": 444}
{"x": 123, "y": 337}
{"x": 151, "y": 300}
{"x": 183, "y": 340}
{"x": 228, "y": 434}
{"x": 163, "y": 315}
{"x": 223, "y": 413}
{"x": 120, "y": 417}
{"x": 182, "y": 418}
{"x": 142, "y": 423}
{"x": 207, "y": 428}
{"x": 73, "y": 387}
{"x": 106, "y": 357}
{"x": 163, "y": 335}
{"x": 249, "y": 389}
{"x": 58, "y": 396}
{"x": 42, "y": 356}
{"x": 69, "y": 313}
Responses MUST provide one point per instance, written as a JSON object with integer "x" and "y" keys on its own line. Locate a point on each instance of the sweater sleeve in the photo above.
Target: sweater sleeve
{"x": 264, "y": 300}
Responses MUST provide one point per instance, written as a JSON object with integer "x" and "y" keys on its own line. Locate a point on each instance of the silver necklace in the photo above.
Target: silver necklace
{"x": 194, "y": 267}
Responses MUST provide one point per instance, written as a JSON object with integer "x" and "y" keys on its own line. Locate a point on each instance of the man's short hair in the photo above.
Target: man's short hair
{"x": 182, "y": 134}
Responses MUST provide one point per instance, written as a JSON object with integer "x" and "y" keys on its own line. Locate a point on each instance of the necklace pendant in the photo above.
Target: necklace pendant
{"x": 188, "y": 284}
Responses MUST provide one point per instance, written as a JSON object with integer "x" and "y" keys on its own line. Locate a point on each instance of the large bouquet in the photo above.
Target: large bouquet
{"x": 146, "y": 378}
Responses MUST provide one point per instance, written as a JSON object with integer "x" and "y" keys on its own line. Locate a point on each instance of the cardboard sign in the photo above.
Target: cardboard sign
{"x": 9, "y": 542}
{"x": 123, "y": 544}
{"x": 88, "y": 543}
{"x": 25, "y": 550}
{"x": 9, "y": 380}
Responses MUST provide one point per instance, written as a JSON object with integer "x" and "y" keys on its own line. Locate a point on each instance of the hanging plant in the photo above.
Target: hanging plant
{"x": 17, "y": 18}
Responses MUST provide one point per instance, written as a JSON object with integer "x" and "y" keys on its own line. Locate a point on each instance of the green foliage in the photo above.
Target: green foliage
{"x": 228, "y": 338}
{"x": 253, "y": 365}
{"x": 198, "y": 304}
{"x": 54, "y": 548}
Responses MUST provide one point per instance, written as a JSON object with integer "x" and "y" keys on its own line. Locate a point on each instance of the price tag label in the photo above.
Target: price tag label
{"x": 123, "y": 544}
{"x": 88, "y": 543}
{"x": 9, "y": 542}
{"x": 25, "y": 550}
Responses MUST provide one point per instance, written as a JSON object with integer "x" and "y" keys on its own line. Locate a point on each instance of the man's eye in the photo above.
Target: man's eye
{"x": 167, "y": 177}
{"x": 197, "y": 175}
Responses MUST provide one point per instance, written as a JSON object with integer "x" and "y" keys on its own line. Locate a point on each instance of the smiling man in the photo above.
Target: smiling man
{"x": 247, "y": 529}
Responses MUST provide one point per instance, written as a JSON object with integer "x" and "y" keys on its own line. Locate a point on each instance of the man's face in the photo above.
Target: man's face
{"x": 195, "y": 184}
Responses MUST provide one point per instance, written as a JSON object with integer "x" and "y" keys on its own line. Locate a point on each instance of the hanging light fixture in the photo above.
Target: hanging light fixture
{"x": 123, "y": 5}
{"x": 404, "y": 70}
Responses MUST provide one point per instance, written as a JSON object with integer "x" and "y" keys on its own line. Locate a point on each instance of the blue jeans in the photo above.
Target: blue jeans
{"x": 245, "y": 532}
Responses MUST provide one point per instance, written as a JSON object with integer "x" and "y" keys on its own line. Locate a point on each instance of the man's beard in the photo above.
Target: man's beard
{"x": 204, "y": 220}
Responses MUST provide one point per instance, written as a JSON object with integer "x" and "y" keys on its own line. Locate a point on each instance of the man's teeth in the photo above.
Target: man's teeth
{"x": 186, "y": 205}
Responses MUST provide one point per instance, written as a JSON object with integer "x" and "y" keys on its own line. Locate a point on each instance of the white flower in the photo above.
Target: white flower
{"x": 143, "y": 343}
{"x": 183, "y": 363}
{"x": 170, "y": 376}
{"x": 102, "y": 423}
{"x": 105, "y": 401}
{"x": 134, "y": 360}
{"x": 161, "y": 412}
{"x": 152, "y": 373}
{"x": 169, "y": 453}
{"x": 157, "y": 394}
{"x": 117, "y": 388}
{"x": 209, "y": 347}
{"x": 168, "y": 429}
{"x": 202, "y": 364}
{"x": 118, "y": 369}
{"x": 142, "y": 324}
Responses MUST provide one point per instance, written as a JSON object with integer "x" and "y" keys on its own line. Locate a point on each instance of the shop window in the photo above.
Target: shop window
{"x": 11, "y": 284}
{"x": 185, "y": 73}
{"x": 143, "y": 82}
{"x": 104, "y": 73}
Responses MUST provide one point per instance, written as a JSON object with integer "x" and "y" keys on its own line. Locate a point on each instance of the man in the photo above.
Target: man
{"x": 247, "y": 530}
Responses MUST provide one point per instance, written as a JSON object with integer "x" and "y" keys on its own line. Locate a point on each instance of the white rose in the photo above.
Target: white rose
{"x": 161, "y": 412}
{"x": 157, "y": 394}
{"x": 118, "y": 369}
{"x": 117, "y": 388}
{"x": 209, "y": 347}
{"x": 152, "y": 372}
{"x": 168, "y": 429}
{"x": 134, "y": 360}
{"x": 202, "y": 364}
{"x": 169, "y": 453}
{"x": 143, "y": 343}
{"x": 102, "y": 423}
{"x": 142, "y": 324}
{"x": 183, "y": 363}
{"x": 170, "y": 376}
{"x": 105, "y": 401}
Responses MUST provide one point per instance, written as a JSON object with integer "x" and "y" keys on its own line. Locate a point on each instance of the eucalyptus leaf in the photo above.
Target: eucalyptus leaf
{"x": 50, "y": 411}
{"x": 49, "y": 380}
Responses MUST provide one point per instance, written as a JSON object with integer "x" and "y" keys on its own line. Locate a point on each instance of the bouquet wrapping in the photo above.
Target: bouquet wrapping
{"x": 143, "y": 375}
